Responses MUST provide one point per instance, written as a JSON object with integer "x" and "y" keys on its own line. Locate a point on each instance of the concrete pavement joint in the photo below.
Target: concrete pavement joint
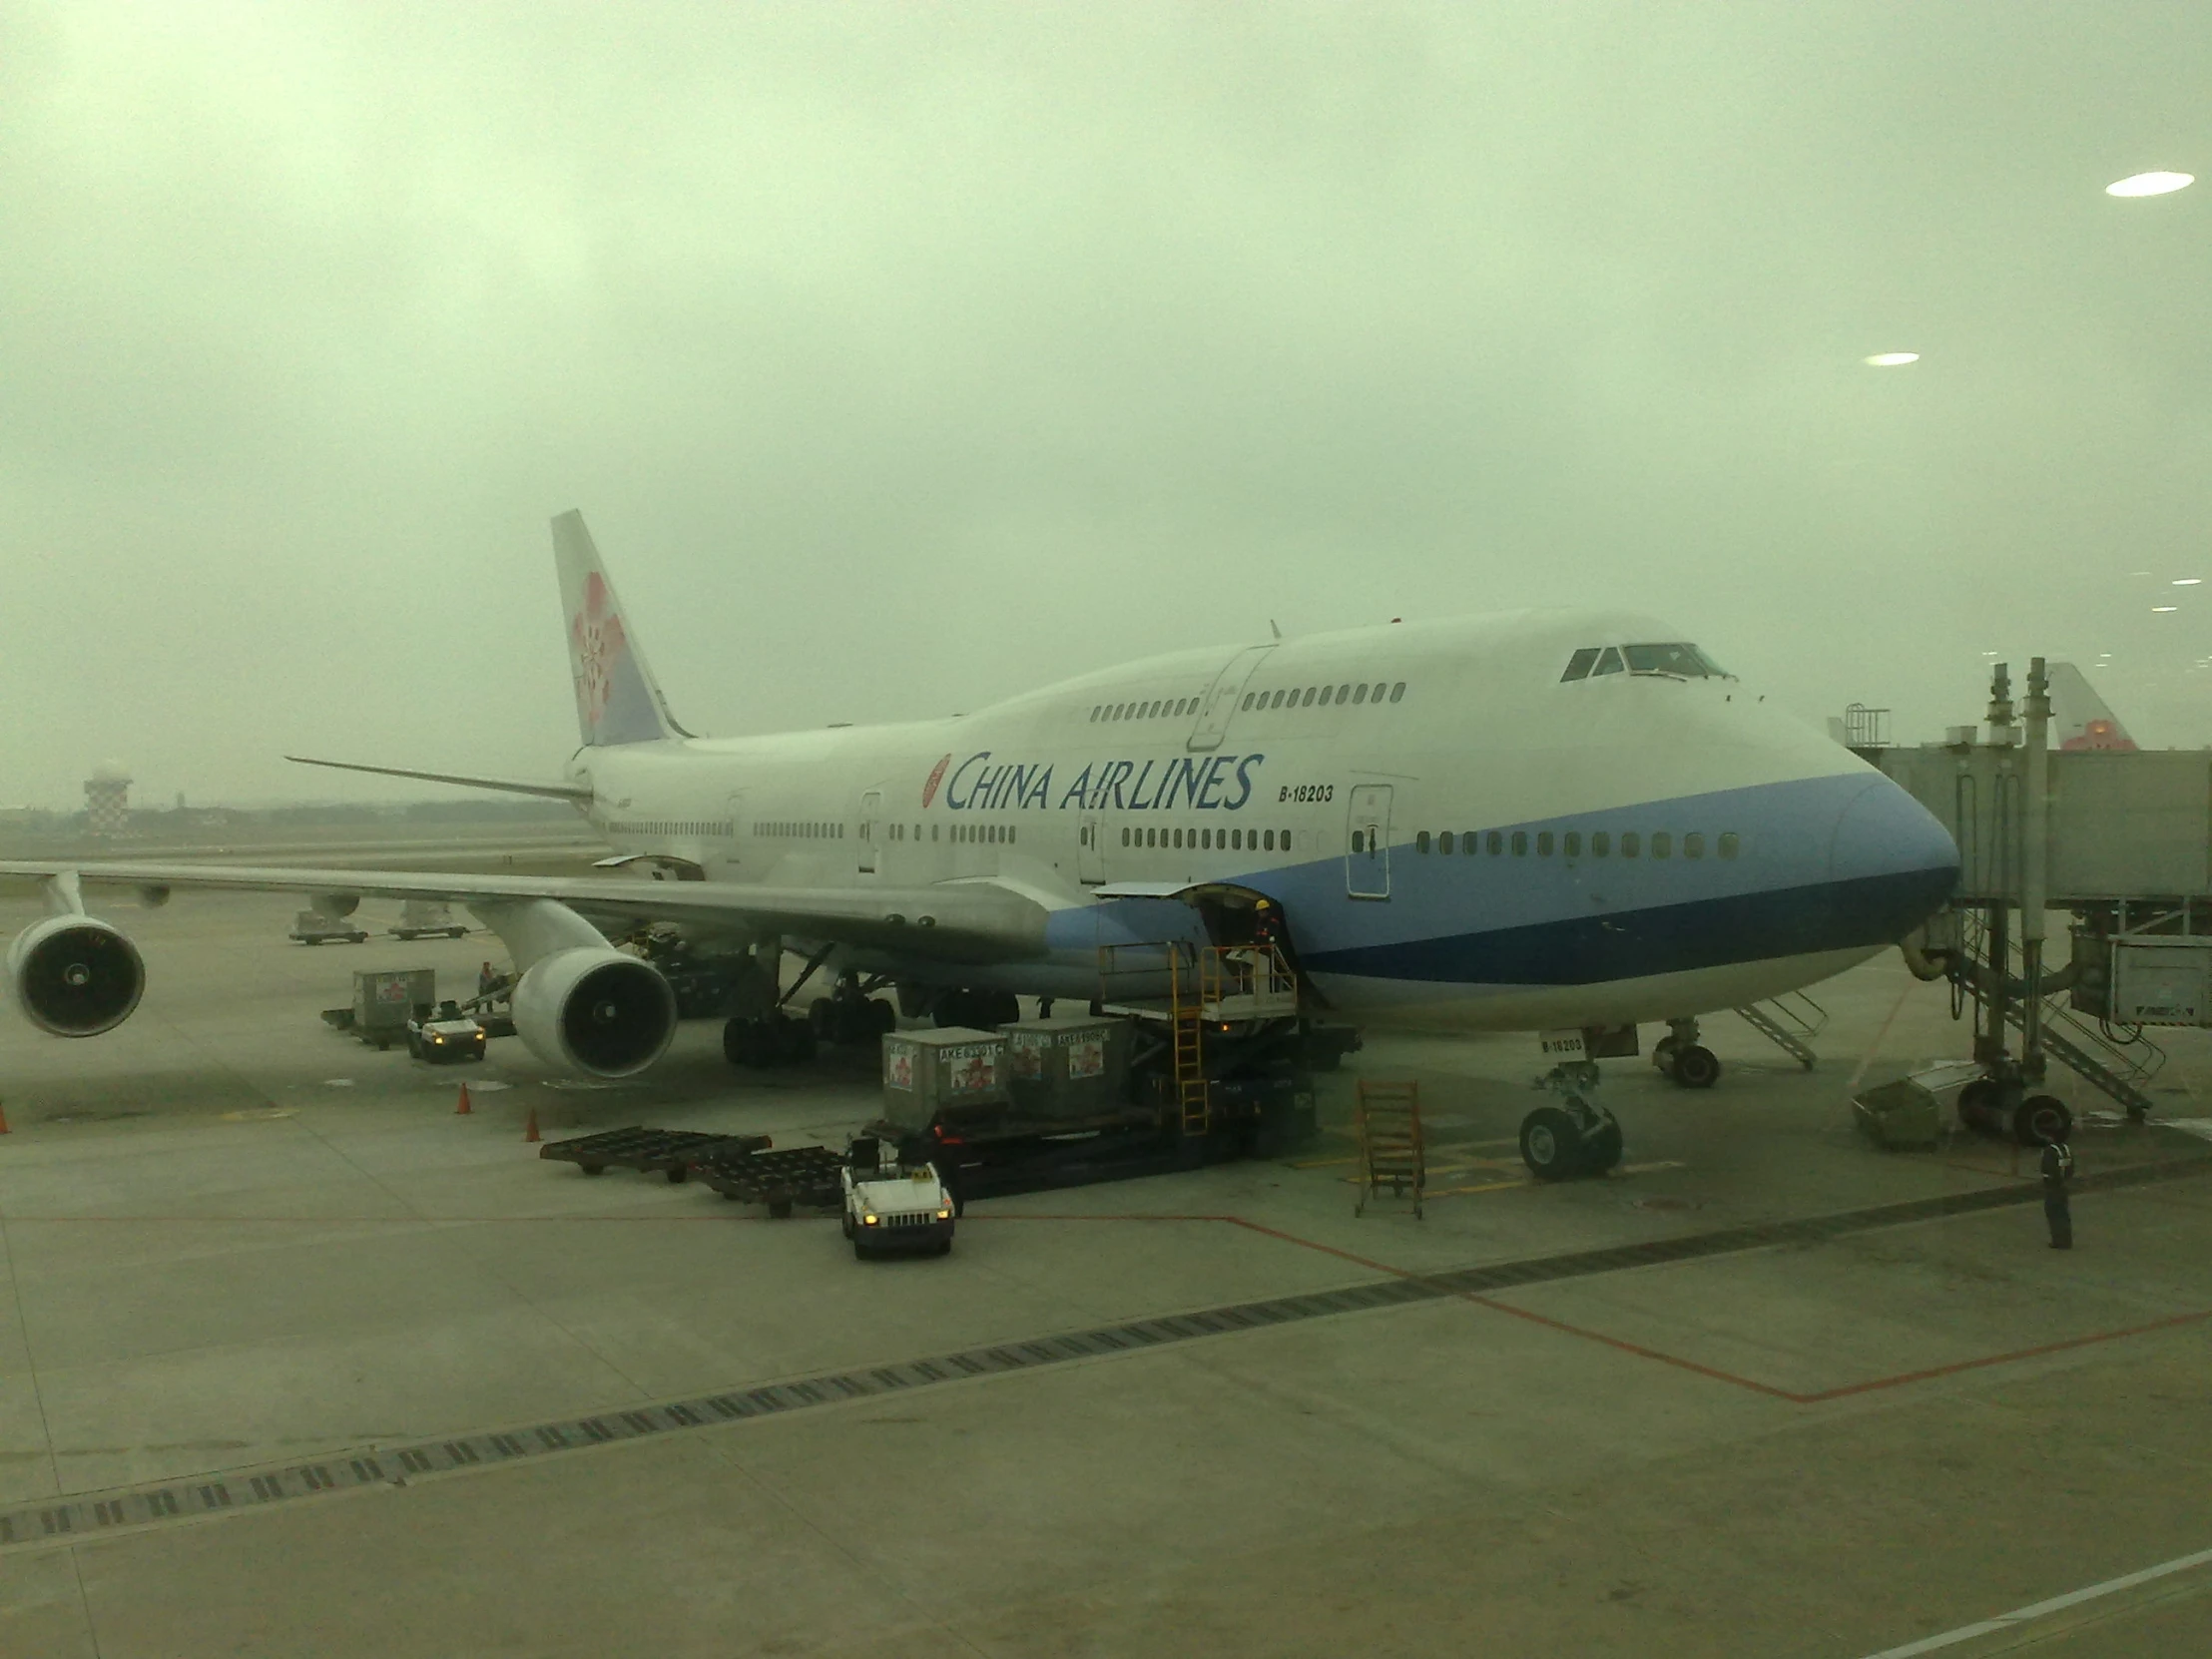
{"x": 66, "y": 1521}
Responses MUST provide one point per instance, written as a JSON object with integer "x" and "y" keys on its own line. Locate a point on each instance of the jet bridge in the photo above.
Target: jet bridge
{"x": 2123, "y": 840}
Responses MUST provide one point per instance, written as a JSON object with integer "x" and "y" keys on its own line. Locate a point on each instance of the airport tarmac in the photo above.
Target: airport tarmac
{"x": 297, "y": 1359}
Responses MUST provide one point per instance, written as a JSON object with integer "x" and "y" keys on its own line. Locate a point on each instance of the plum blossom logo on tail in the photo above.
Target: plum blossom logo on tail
{"x": 937, "y": 777}
{"x": 596, "y": 635}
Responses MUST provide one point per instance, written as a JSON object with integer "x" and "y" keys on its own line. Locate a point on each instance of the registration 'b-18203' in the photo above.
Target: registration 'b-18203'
{"x": 1543, "y": 821}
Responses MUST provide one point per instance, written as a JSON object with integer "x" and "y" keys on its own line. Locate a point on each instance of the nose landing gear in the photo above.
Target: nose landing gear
{"x": 1573, "y": 1137}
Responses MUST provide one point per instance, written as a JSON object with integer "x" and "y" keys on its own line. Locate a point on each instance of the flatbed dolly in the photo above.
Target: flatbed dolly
{"x": 667, "y": 1152}
{"x": 778, "y": 1180}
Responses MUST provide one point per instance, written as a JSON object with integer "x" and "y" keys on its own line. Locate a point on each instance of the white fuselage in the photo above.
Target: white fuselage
{"x": 1457, "y": 837}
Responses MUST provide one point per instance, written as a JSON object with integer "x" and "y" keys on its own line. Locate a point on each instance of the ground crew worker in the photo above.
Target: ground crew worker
{"x": 2057, "y": 1168}
{"x": 485, "y": 981}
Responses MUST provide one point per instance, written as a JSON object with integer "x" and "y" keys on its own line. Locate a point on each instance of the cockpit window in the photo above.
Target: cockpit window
{"x": 1608, "y": 662}
{"x": 1684, "y": 662}
{"x": 1579, "y": 664}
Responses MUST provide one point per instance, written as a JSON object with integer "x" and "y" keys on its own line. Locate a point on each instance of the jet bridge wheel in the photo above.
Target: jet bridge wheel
{"x": 1694, "y": 1068}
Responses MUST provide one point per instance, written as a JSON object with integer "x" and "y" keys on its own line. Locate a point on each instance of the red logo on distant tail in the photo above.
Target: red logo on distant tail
{"x": 596, "y": 634}
{"x": 937, "y": 777}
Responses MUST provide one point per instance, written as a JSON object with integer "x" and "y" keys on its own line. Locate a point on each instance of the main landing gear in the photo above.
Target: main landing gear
{"x": 1573, "y": 1137}
{"x": 1678, "y": 1055}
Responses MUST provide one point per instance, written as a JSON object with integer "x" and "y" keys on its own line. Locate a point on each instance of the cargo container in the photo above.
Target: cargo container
{"x": 1062, "y": 1069}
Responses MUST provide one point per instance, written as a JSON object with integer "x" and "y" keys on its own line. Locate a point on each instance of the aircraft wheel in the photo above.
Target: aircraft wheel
{"x": 1602, "y": 1151}
{"x": 1662, "y": 1054}
{"x": 794, "y": 1040}
{"x": 1696, "y": 1067}
{"x": 1550, "y": 1145}
{"x": 2042, "y": 1118}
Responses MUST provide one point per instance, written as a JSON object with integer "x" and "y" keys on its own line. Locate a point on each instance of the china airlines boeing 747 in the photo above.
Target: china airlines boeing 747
{"x": 1545, "y": 821}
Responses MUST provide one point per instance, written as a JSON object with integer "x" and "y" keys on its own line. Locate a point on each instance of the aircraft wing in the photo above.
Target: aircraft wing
{"x": 960, "y": 921}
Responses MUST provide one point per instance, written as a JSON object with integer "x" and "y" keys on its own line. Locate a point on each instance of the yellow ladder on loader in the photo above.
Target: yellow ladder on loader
{"x": 1386, "y": 1121}
{"x": 1186, "y": 1007}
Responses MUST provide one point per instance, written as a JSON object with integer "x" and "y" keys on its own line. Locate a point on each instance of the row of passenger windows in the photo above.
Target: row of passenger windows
{"x": 962, "y": 835}
{"x": 1569, "y": 844}
{"x": 1206, "y": 841}
{"x": 1170, "y": 706}
{"x": 802, "y": 830}
{"x": 1289, "y": 698}
{"x": 1175, "y": 708}
{"x": 672, "y": 827}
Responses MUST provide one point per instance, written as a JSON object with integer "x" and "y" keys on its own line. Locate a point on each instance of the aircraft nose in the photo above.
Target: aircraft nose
{"x": 1892, "y": 857}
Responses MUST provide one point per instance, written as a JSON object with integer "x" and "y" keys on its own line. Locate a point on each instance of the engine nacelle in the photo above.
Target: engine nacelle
{"x": 75, "y": 976}
{"x": 600, "y": 1012}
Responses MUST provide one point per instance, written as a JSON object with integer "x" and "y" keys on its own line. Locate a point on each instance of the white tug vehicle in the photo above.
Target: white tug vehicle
{"x": 891, "y": 1207}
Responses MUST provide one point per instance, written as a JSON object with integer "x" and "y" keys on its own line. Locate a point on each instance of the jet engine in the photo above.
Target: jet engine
{"x": 595, "y": 1011}
{"x": 75, "y": 976}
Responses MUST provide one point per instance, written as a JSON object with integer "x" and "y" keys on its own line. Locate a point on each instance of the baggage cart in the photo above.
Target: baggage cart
{"x": 665, "y": 1152}
{"x": 776, "y": 1179}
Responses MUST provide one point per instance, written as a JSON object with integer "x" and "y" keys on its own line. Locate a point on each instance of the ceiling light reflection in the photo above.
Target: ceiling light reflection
{"x": 2150, "y": 184}
{"x": 1891, "y": 359}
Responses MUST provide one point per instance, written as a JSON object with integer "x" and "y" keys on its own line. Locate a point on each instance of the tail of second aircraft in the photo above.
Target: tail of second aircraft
{"x": 617, "y": 699}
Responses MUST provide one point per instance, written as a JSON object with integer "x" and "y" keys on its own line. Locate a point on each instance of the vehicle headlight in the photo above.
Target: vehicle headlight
{"x": 867, "y": 1221}
{"x": 945, "y": 1214}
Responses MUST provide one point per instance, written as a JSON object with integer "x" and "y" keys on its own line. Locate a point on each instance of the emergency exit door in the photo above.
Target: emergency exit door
{"x": 1090, "y": 851}
{"x": 1367, "y": 843}
{"x": 872, "y": 828}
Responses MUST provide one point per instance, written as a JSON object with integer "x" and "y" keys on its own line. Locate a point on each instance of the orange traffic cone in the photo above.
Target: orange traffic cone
{"x": 531, "y": 1125}
{"x": 461, "y": 1107}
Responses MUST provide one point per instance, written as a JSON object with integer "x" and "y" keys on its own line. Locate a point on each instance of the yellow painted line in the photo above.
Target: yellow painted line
{"x": 1485, "y": 1187}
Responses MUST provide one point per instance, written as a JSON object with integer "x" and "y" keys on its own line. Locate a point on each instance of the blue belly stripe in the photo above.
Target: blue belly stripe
{"x": 1868, "y": 911}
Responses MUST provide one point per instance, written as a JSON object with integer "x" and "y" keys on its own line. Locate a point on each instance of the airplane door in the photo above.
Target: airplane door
{"x": 1221, "y": 702}
{"x": 1367, "y": 843}
{"x": 1090, "y": 851}
{"x": 872, "y": 828}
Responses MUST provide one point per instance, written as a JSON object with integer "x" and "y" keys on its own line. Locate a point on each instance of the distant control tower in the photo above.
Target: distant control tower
{"x": 108, "y": 800}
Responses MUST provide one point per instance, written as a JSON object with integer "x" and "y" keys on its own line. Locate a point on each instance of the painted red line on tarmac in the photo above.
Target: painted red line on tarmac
{"x": 1715, "y": 1374}
{"x": 1903, "y": 1378}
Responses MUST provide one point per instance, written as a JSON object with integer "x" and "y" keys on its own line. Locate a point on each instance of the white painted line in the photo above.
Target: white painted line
{"x": 2025, "y": 1616}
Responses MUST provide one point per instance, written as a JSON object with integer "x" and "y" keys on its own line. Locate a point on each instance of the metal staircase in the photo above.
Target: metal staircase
{"x": 2117, "y": 1067}
{"x": 1790, "y": 1022}
{"x": 1186, "y": 1005}
{"x": 1228, "y": 987}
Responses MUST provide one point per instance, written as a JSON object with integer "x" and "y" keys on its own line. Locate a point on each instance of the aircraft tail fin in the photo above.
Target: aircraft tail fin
{"x": 2079, "y": 717}
{"x": 617, "y": 699}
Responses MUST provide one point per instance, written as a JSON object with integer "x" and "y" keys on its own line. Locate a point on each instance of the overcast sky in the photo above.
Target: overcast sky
{"x": 903, "y": 356}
